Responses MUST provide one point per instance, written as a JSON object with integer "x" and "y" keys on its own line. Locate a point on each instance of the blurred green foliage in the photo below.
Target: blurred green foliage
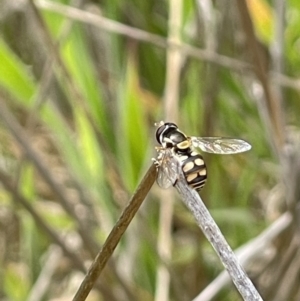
{"x": 99, "y": 148}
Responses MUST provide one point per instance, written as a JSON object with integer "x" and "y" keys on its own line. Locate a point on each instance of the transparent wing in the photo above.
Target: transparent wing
{"x": 221, "y": 145}
{"x": 168, "y": 169}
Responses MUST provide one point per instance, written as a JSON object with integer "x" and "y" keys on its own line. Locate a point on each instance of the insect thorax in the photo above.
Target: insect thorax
{"x": 177, "y": 140}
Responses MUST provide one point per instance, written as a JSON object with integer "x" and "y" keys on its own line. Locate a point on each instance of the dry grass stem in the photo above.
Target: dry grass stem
{"x": 115, "y": 235}
{"x": 141, "y": 35}
{"x": 210, "y": 229}
{"x": 246, "y": 254}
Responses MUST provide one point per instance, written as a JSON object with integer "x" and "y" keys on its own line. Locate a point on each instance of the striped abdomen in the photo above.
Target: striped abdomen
{"x": 194, "y": 169}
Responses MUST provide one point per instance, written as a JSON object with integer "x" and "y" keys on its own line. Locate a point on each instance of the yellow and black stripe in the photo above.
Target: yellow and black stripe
{"x": 194, "y": 169}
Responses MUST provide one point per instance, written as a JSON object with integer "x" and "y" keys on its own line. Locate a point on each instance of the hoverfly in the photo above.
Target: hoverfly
{"x": 175, "y": 144}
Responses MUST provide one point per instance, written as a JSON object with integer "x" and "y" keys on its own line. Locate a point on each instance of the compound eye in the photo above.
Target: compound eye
{"x": 171, "y": 125}
{"x": 159, "y": 132}
{"x": 163, "y": 130}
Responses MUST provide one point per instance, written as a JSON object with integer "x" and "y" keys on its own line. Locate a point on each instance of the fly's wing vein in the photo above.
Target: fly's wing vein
{"x": 221, "y": 145}
{"x": 168, "y": 169}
